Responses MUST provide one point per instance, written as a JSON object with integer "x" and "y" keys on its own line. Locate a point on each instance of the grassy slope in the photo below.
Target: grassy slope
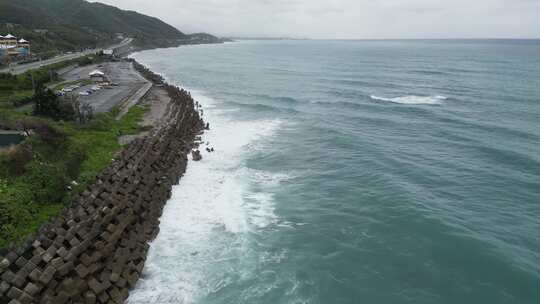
{"x": 29, "y": 198}
{"x": 22, "y": 211}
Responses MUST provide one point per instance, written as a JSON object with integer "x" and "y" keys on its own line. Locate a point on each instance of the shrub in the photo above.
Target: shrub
{"x": 16, "y": 158}
{"x": 15, "y": 207}
{"x": 47, "y": 104}
{"x": 74, "y": 158}
{"x": 49, "y": 134}
{"x": 48, "y": 183}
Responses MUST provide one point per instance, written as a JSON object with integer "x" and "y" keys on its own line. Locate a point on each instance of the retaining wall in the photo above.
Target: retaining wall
{"x": 94, "y": 252}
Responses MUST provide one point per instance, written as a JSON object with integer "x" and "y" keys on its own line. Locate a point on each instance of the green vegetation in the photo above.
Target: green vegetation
{"x": 61, "y": 156}
{"x": 62, "y": 25}
{"x": 54, "y": 26}
{"x": 39, "y": 176}
{"x": 14, "y": 97}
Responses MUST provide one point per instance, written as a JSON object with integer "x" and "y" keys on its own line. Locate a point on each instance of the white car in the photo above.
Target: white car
{"x": 84, "y": 93}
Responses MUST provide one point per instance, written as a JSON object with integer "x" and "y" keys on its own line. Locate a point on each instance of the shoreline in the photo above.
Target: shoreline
{"x": 95, "y": 250}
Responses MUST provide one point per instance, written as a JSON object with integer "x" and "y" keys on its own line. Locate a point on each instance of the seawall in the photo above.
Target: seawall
{"x": 95, "y": 250}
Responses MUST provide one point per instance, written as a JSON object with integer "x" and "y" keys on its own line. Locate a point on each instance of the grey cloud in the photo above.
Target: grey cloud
{"x": 348, "y": 18}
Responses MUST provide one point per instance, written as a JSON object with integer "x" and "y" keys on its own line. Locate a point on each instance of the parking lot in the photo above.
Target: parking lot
{"x": 126, "y": 81}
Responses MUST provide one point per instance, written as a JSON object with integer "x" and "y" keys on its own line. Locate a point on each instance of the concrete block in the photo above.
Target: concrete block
{"x": 12, "y": 257}
{"x": 20, "y": 278}
{"x": 89, "y": 298}
{"x": 62, "y": 252}
{"x": 121, "y": 283}
{"x": 46, "y": 257}
{"x": 35, "y": 275}
{"x": 86, "y": 259}
{"x": 4, "y": 287}
{"x": 32, "y": 289}
{"x": 47, "y": 275}
{"x": 14, "y": 292}
{"x": 103, "y": 297}
{"x": 29, "y": 267}
{"x": 21, "y": 261}
{"x": 65, "y": 268}
{"x": 61, "y": 298}
{"x": 115, "y": 295}
{"x": 57, "y": 262}
{"x": 95, "y": 286}
{"x": 81, "y": 270}
{"x": 26, "y": 298}
{"x": 8, "y": 276}
{"x": 4, "y": 264}
{"x": 69, "y": 286}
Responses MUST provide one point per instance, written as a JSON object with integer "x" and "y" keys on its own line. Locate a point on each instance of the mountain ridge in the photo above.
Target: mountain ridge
{"x": 76, "y": 24}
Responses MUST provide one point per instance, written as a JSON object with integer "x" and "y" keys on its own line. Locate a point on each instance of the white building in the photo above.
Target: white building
{"x": 12, "y": 47}
{"x": 97, "y": 76}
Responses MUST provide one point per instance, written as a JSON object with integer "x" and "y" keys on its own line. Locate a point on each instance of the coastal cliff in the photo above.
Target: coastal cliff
{"x": 95, "y": 250}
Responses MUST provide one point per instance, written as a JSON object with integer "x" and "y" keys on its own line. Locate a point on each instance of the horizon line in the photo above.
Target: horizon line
{"x": 306, "y": 38}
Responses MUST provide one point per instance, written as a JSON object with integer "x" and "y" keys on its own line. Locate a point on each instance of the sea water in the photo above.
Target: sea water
{"x": 355, "y": 172}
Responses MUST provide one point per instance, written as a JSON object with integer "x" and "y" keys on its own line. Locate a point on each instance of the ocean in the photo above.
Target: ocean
{"x": 355, "y": 172}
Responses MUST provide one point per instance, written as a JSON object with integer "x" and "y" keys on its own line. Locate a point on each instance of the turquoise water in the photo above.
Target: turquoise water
{"x": 355, "y": 172}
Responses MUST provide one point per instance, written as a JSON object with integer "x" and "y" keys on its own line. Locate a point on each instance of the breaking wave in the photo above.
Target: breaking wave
{"x": 206, "y": 223}
{"x": 413, "y": 99}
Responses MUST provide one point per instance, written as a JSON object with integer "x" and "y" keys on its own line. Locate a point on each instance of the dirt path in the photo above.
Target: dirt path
{"x": 159, "y": 104}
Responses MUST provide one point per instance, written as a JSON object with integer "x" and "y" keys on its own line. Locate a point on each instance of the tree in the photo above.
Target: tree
{"x": 82, "y": 111}
{"x": 49, "y": 105}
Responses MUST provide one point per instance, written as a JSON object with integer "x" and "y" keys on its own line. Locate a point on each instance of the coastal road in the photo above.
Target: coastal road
{"x": 19, "y": 69}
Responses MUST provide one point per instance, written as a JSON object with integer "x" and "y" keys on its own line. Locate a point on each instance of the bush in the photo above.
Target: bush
{"x": 73, "y": 160}
{"x": 20, "y": 215}
{"x": 48, "y": 182}
{"x": 47, "y": 104}
{"x": 16, "y": 158}
{"x": 49, "y": 134}
{"x": 15, "y": 208}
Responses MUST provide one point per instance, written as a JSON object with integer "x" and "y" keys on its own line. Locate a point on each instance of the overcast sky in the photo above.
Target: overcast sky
{"x": 348, "y": 18}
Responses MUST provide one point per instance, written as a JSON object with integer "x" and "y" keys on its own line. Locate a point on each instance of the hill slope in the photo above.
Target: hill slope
{"x": 73, "y": 24}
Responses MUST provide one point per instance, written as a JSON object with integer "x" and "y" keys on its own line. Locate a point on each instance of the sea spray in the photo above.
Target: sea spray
{"x": 211, "y": 213}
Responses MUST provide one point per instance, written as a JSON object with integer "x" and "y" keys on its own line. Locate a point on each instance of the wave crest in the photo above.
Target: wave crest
{"x": 413, "y": 99}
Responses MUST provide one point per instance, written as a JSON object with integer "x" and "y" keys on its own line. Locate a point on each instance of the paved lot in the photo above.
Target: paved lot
{"x": 129, "y": 81}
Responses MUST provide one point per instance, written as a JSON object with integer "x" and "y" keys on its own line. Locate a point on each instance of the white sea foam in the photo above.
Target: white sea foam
{"x": 205, "y": 222}
{"x": 413, "y": 99}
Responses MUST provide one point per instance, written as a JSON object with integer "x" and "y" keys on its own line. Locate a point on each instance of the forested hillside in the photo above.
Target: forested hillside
{"x": 54, "y": 25}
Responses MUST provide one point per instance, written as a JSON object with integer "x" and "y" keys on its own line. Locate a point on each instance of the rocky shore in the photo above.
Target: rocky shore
{"x": 95, "y": 250}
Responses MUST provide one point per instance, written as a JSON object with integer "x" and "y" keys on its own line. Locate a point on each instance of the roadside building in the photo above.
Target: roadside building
{"x": 9, "y": 40}
{"x": 97, "y": 76}
{"x": 8, "y": 45}
{"x": 13, "y": 48}
{"x": 23, "y": 43}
